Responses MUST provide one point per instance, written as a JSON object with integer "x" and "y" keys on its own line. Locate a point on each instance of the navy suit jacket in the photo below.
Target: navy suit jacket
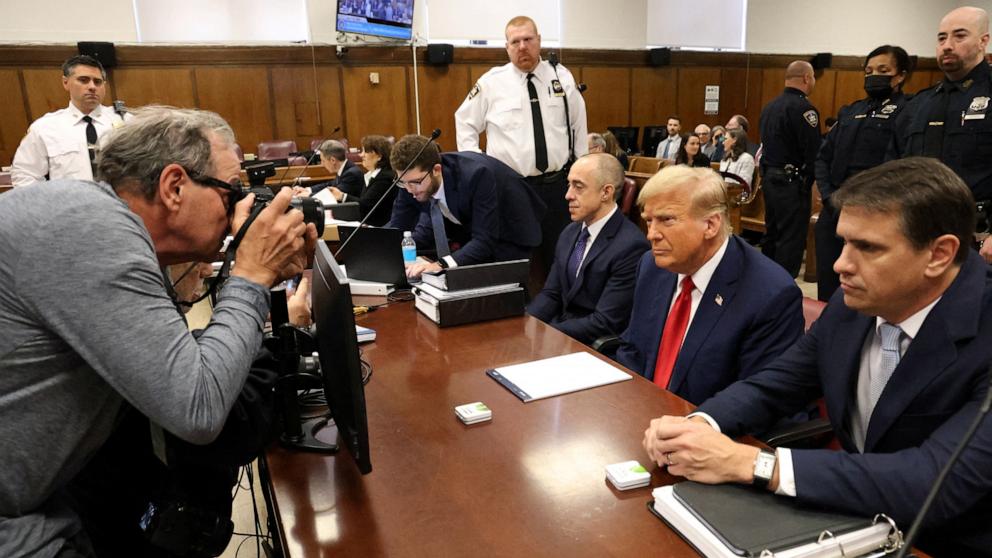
{"x": 930, "y": 399}
{"x": 499, "y": 212}
{"x": 750, "y": 313}
{"x": 351, "y": 180}
{"x": 381, "y": 184}
{"x": 597, "y": 302}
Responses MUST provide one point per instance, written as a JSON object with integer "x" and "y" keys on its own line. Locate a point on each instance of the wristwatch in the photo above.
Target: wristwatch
{"x": 764, "y": 467}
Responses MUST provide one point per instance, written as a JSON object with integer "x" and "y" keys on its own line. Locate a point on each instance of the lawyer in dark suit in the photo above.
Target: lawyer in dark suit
{"x": 590, "y": 289}
{"x": 348, "y": 176}
{"x": 901, "y": 356}
{"x": 745, "y": 310}
{"x": 475, "y": 202}
{"x": 376, "y": 183}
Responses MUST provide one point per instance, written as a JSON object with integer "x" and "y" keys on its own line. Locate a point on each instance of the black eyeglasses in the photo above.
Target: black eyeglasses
{"x": 235, "y": 188}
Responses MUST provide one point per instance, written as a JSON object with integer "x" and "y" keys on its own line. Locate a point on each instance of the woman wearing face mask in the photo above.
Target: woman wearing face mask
{"x": 857, "y": 142}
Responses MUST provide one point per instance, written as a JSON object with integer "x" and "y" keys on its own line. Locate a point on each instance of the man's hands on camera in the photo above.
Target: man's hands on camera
{"x": 277, "y": 246}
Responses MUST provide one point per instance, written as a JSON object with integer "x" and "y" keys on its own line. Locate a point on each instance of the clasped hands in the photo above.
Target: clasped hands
{"x": 691, "y": 448}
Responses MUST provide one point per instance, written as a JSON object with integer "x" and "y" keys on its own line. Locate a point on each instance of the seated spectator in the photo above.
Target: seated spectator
{"x": 613, "y": 148}
{"x": 378, "y": 181}
{"x": 703, "y": 131}
{"x": 348, "y": 177}
{"x": 597, "y": 143}
{"x": 709, "y": 309}
{"x": 715, "y": 153}
{"x": 736, "y": 159}
{"x": 690, "y": 152}
{"x": 590, "y": 289}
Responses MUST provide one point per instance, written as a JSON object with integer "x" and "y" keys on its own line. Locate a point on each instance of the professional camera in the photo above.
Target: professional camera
{"x": 313, "y": 210}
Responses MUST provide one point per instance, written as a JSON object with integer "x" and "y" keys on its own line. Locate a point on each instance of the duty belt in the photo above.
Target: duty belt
{"x": 548, "y": 177}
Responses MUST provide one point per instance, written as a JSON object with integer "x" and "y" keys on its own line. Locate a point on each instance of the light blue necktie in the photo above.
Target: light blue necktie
{"x": 890, "y": 359}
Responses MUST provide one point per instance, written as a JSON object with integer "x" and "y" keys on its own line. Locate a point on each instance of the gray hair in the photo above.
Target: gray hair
{"x": 133, "y": 156}
{"x": 597, "y": 140}
{"x": 333, "y": 148}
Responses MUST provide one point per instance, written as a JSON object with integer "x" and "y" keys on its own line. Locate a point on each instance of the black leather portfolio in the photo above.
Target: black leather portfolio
{"x": 480, "y": 275}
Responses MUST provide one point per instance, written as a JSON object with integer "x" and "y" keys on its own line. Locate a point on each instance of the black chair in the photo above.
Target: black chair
{"x": 626, "y": 137}
{"x": 652, "y": 137}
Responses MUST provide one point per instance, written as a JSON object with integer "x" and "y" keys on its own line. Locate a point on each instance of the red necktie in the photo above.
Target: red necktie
{"x": 671, "y": 337}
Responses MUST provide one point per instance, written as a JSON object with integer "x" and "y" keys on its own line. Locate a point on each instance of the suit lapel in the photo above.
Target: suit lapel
{"x": 571, "y": 234}
{"x": 707, "y": 316}
{"x": 842, "y": 365}
{"x": 604, "y": 237}
{"x": 933, "y": 349}
{"x": 659, "y": 300}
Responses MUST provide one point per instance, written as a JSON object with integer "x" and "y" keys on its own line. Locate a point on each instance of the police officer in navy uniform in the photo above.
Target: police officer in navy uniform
{"x": 952, "y": 121}
{"x": 534, "y": 119}
{"x": 857, "y": 142}
{"x": 790, "y": 139}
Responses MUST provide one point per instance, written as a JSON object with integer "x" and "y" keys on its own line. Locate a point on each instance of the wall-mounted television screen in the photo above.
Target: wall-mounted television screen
{"x": 382, "y": 18}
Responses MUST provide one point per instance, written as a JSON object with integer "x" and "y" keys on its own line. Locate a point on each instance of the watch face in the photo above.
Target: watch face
{"x": 764, "y": 466}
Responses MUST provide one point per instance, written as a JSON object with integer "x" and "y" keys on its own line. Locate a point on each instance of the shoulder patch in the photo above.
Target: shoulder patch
{"x": 476, "y": 89}
{"x": 812, "y": 118}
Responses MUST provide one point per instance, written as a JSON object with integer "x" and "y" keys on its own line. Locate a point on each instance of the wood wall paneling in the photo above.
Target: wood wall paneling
{"x": 850, "y": 88}
{"x": 13, "y": 120}
{"x": 381, "y": 108}
{"x": 607, "y": 98}
{"x": 307, "y": 103}
{"x": 161, "y": 86}
{"x": 442, "y": 90}
{"x": 692, "y": 92}
{"x": 654, "y": 96}
{"x": 241, "y": 95}
{"x": 822, "y": 96}
{"x": 44, "y": 90}
{"x": 740, "y": 93}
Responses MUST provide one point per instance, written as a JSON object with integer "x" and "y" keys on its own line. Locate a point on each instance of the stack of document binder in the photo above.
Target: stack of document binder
{"x": 473, "y": 293}
{"x": 731, "y": 520}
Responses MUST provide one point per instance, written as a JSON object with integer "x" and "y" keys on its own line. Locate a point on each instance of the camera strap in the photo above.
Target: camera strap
{"x": 222, "y": 274}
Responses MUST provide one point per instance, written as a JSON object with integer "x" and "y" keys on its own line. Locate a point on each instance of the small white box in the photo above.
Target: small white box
{"x": 471, "y": 413}
{"x": 628, "y": 475}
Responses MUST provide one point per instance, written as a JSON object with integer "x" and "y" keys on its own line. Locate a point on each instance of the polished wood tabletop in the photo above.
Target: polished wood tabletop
{"x": 531, "y": 482}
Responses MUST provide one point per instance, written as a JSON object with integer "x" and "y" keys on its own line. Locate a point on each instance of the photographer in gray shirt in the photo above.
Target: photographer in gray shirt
{"x": 88, "y": 322}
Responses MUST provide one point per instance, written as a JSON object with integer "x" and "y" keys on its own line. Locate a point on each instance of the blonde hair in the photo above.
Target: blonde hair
{"x": 707, "y": 191}
{"x": 521, "y": 20}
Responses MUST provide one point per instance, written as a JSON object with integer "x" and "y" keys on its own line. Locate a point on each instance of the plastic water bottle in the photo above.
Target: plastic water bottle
{"x": 409, "y": 248}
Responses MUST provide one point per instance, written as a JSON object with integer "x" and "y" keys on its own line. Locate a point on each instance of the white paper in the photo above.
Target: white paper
{"x": 561, "y": 374}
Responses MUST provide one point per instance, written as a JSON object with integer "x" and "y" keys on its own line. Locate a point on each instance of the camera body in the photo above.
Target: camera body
{"x": 313, "y": 210}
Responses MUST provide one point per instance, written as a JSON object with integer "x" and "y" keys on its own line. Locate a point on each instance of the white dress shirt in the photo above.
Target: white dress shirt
{"x": 742, "y": 167}
{"x": 56, "y": 145}
{"x": 672, "y": 143}
{"x": 594, "y": 230}
{"x": 499, "y": 105}
{"x": 700, "y": 280}
{"x": 870, "y": 359}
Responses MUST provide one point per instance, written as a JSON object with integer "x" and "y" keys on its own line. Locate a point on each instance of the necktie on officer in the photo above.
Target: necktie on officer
{"x": 540, "y": 144}
{"x": 91, "y": 142}
{"x": 575, "y": 259}
{"x": 437, "y": 223}
{"x": 673, "y": 334}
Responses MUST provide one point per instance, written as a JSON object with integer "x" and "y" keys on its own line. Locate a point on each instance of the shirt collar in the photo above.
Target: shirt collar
{"x": 701, "y": 278}
{"x": 439, "y": 195}
{"x": 78, "y": 115}
{"x": 600, "y": 223}
{"x": 536, "y": 71}
{"x": 911, "y": 325}
{"x": 343, "y": 163}
{"x": 374, "y": 172}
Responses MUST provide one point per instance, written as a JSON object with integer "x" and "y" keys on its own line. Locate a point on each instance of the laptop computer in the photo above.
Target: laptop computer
{"x": 373, "y": 254}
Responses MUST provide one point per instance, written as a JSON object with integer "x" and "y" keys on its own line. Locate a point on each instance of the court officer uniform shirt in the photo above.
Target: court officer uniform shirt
{"x": 56, "y": 145}
{"x": 499, "y": 105}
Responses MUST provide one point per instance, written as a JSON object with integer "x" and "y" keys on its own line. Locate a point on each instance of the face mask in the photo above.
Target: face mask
{"x": 878, "y": 86}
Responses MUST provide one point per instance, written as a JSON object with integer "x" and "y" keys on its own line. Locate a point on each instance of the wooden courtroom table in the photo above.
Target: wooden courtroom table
{"x": 307, "y": 174}
{"x": 529, "y": 483}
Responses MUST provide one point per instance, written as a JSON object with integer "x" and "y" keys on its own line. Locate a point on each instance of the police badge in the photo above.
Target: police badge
{"x": 557, "y": 89}
{"x": 979, "y": 104}
{"x": 475, "y": 91}
{"x": 811, "y": 118}
{"x": 889, "y": 109}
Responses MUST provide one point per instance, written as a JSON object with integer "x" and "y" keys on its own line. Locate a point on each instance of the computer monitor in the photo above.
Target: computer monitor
{"x": 393, "y": 20}
{"x": 626, "y": 137}
{"x": 373, "y": 254}
{"x": 652, "y": 137}
{"x": 337, "y": 345}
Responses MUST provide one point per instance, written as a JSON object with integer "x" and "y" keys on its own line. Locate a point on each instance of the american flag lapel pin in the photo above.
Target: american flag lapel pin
{"x": 719, "y": 300}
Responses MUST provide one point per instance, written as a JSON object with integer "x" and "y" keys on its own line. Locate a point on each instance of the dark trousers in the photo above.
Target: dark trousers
{"x": 828, "y": 249}
{"x": 551, "y": 188}
{"x": 787, "y": 207}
